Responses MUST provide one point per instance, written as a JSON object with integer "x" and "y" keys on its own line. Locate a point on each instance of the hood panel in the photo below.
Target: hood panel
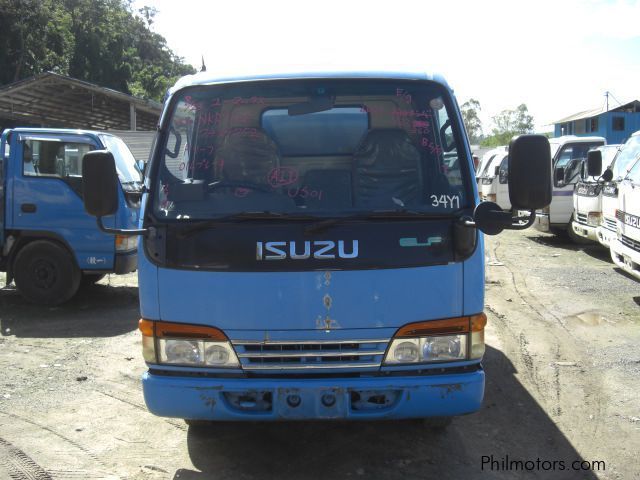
{"x": 311, "y": 300}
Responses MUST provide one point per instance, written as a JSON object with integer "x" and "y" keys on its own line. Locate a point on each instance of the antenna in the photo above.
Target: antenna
{"x": 606, "y": 94}
{"x": 204, "y": 67}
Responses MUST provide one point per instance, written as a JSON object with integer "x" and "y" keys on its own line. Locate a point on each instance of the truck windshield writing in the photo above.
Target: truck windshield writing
{"x": 316, "y": 148}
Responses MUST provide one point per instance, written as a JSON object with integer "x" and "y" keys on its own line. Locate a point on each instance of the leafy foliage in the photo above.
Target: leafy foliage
{"x": 100, "y": 41}
{"x": 472, "y": 122}
{"x": 509, "y": 123}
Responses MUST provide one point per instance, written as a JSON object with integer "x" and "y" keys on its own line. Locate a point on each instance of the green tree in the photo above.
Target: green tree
{"x": 35, "y": 38}
{"x": 472, "y": 122}
{"x": 101, "y": 41}
{"x": 508, "y": 124}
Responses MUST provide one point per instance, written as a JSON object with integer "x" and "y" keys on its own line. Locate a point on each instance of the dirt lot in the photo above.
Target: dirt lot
{"x": 563, "y": 384}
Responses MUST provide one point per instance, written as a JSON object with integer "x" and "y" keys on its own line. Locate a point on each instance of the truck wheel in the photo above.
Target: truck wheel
{"x": 89, "y": 279}
{"x": 45, "y": 273}
{"x": 575, "y": 238}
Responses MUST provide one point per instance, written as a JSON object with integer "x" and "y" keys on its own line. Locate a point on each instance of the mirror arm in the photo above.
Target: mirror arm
{"x": 467, "y": 221}
{"x": 523, "y": 226}
{"x": 119, "y": 231}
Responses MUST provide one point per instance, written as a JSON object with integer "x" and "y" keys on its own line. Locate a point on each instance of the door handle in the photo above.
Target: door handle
{"x": 28, "y": 207}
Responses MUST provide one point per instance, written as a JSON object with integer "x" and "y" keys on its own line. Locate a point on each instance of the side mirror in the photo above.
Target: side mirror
{"x": 100, "y": 183}
{"x": 496, "y": 171}
{"x": 529, "y": 167}
{"x": 558, "y": 176}
{"x": 607, "y": 175}
{"x": 594, "y": 163}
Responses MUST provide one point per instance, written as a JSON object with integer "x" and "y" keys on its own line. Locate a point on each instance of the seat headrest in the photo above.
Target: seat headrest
{"x": 387, "y": 147}
{"x": 247, "y": 154}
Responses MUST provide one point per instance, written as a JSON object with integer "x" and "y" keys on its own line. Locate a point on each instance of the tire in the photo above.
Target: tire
{"x": 438, "y": 424}
{"x": 46, "y": 273}
{"x": 577, "y": 239}
{"x": 89, "y": 279}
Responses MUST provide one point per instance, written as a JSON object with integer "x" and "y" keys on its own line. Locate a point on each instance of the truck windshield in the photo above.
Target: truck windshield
{"x": 626, "y": 158}
{"x": 314, "y": 147}
{"x": 126, "y": 165}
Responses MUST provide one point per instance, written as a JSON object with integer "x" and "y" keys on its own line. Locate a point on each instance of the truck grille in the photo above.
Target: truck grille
{"x": 310, "y": 355}
{"x": 581, "y": 218}
{"x": 630, "y": 242}
{"x": 609, "y": 224}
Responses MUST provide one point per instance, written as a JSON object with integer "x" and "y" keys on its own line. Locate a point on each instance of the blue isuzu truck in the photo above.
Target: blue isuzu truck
{"x": 311, "y": 247}
{"x": 48, "y": 244}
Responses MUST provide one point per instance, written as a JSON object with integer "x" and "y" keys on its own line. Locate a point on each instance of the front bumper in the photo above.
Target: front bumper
{"x": 605, "y": 236}
{"x": 586, "y": 231}
{"x": 542, "y": 222}
{"x": 126, "y": 262}
{"x": 389, "y": 397}
{"x": 626, "y": 258}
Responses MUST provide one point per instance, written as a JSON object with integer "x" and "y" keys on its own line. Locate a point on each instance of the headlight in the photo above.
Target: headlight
{"x": 487, "y": 181}
{"x": 446, "y": 340}
{"x": 428, "y": 349}
{"x": 178, "y": 344}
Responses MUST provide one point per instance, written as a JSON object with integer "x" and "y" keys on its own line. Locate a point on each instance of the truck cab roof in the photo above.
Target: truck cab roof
{"x": 210, "y": 78}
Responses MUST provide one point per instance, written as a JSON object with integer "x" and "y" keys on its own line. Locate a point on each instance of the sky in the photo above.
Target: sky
{"x": 557, "y": 57}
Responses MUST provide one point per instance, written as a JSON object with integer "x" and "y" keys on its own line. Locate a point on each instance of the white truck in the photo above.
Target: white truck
{"x": 625, "y": 249}
{"x": 587, "y": 196}
{"x": 629, "y": 152}
{"x": 568, "y": 153}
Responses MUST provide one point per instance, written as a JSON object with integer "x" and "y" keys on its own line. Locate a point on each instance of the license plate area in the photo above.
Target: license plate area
{"x": 327, "y": 402}
{"x": 628, "y": 263}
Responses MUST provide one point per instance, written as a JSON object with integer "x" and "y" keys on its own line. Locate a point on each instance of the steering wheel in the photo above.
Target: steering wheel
{"x": 230, "y": 184}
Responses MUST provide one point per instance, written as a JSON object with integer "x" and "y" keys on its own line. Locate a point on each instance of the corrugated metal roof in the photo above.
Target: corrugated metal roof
{"x": 635, "y": 104}
{"x": 55, "y": 100}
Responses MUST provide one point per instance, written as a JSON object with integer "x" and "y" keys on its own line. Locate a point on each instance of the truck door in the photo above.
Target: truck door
{"x": 47, "y": 196}
{"x": 569, "y": 158}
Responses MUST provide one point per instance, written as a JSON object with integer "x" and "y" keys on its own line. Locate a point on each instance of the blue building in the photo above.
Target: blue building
{"x": 615, "y": 125}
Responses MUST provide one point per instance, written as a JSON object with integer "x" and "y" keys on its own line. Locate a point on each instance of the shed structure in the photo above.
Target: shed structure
{"x": 57, "y": 101}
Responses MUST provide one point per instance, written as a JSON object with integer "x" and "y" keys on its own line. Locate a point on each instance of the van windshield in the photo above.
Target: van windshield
{"x": 314, "y": 147}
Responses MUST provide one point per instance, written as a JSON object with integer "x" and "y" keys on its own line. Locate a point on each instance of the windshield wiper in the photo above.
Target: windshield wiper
{"x": 374, "y": 214}
{"x": 238, "y": 217}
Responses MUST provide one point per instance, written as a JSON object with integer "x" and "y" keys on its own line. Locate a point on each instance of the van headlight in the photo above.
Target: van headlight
{"x": 187, "y": 345}
{"x": 448, "y": 340}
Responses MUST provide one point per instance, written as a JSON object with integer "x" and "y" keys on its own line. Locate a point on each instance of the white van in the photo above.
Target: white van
{"x": 587, "y": 196}
{"x": 625, "y": 250}
{"x": 502, "y": 184}
{"x": 483, "y": 166}
{"x": 621, "y": 165}
{"x": 568, "y": 153}
{"x": 493, "y": 185}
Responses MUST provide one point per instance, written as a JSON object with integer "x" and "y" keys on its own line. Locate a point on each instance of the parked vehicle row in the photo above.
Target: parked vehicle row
{"x": 604, "y": 183}
{"x": 568, "y": 154}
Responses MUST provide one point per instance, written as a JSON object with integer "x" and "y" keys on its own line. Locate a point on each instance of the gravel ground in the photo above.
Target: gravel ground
{"x": 563, "y": 378}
